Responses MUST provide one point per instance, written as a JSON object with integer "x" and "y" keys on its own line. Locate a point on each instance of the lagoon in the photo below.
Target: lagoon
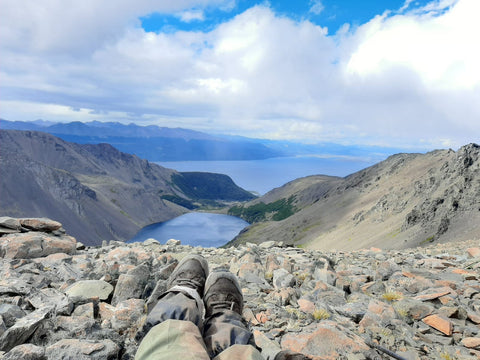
{"x": 195, "y": 229}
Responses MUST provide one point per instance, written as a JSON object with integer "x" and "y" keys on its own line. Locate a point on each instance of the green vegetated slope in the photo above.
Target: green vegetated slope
{"x": 276, "y": 211}
{"x": 404, "y": 201}
{"x": 97, "y": 192}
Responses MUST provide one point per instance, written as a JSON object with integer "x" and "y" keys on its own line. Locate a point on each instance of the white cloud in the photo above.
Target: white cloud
{"x": 316, "y": 7}
{"x": 442, "y": 49}
{"x": 191, "y": 15}
{"x": 400, "y": 79}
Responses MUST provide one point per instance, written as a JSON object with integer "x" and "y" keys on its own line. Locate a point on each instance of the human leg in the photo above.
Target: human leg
{"x": 224, "y": 325}
{"x": 172, "y": 327}
{"x": 173, "y": 339}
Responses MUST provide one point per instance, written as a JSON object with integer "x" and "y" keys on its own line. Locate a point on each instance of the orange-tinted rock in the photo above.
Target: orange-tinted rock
{"x": 40, "y": 224}
{"x": 439, "y": 323}
{"x": 473, "y": 252}
{"x": 434, "y": 294}
{"x": 327, "y": 341}
{"x": 262, "y": 317}
{"x": 33, "y": 245}
{"x": 471, "y": 342}
{"x": 473, "y": 317}
{"x": 306, "y": 306}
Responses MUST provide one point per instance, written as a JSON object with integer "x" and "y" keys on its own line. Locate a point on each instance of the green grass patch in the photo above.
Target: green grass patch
{"x": 179, "y": 201}
{"x": 278, "y": 210}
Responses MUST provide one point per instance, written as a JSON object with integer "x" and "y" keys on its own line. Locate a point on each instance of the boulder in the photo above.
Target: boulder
{"x": 35, "y": 244}
{"x": 83, "y": 349}
{"x": 40, "y": 224}
{"x": 89, "y": 289}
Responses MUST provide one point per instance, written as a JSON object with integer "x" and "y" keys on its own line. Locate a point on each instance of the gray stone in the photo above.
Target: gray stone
{"x": 14, "y": 287}
{"x": 11, "y": 313}
{"x": 3, "y": 327}
{"x": 82, "y": 350}
{"x": 85, "y": 310}
{"x": 283, "y": 279}
{"x": 25, "y": 352}
{"x": 23, "y": 329}
{"x": 151, "y": 241}
{"x": 89, "y": 289}
{"x": 10, "y": 223}
{"x": 268, "y": 244}
{"x": 173, "y": 242}
{"x": 52, "y": 298}
{"x": 131, "y": 285}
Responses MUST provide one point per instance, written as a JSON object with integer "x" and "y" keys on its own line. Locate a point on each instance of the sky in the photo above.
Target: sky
{"x": 372, "y": 72}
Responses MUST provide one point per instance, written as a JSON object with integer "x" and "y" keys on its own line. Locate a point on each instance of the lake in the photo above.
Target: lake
{"x": 261, "y": 176}
{"x": 195, "y": 229}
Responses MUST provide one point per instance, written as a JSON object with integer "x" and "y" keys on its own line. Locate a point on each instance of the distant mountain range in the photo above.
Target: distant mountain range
{"x": 161, "y": 144}
{"x": 408, "y": 200}
{"x": 97, "y": 192}
{"x": 152, "y": 142}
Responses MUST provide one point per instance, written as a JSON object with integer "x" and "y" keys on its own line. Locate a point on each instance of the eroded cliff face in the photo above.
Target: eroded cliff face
{"x": 407, "y": 200}
{"x": 60, "y": 299}
{"x": 96, "y": 191}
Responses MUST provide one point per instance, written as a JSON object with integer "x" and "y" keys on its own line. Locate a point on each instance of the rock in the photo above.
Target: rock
{"x": 34, "y": 245}
{"x": 432, "y": 294}
{"x": 283, "y": 279}
{"x": 10, "y": 223}
{"x": 127, "y": 314}
{"x": 82, "y": 349}
{"x": 318, "y": 302}
{"x": 26, "y": 352}
{"x": 51, "y": 298}
{"x": 151, "y": 241}
{"x": 439, "y": 323}
{"x": 473, "y": 252}
{"x": 85, "y": 310}
{"x": 11, "y": 313}
{"x": 40, "y": 224}
{"x": 268, "y": 244}
{"x": 471, "y": 342}
{"x": 90, "y": 289}
{"x": 173, "y": 242}
{"x": 23, "y": 329}
{"x": 131, "y": 285}
{"x": 326, "y": 339}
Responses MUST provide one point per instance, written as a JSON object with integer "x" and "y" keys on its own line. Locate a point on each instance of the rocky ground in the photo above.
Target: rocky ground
{"x": 61, "y": 300}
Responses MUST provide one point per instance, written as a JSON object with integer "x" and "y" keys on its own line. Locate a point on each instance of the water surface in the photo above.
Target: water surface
{"x": 262, "y": 176}
{"x": 195, "y": 229}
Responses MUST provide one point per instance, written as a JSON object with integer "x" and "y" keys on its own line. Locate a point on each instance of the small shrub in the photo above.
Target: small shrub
{"x": 321, "y": 314}
{"x": 392, "y": 296}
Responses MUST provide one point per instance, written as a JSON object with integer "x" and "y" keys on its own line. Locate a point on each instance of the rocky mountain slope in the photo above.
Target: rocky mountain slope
{"x": 96, "y": 191}
{"x": 405, "y": 201}
{"x": 61, "y": 300}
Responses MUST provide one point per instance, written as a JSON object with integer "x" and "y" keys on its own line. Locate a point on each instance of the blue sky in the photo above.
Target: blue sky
{"x": 332, "y": 14}
{"x": 386, "y": 72}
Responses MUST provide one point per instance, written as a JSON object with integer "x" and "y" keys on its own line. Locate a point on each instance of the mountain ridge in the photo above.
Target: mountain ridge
{"x": 406, "y": 200}
{"x": 152, "y": 142}
{"x": 98, "y": 192}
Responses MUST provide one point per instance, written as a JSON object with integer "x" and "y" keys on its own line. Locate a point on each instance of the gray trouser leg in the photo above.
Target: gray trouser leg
{"x": 225, "y": 329}
{"x": 181, "y": 303}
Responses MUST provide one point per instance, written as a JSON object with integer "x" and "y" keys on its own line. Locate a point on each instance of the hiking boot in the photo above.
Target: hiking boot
{"x": 222, "y": 292}
{"x": 190, "y": 272}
